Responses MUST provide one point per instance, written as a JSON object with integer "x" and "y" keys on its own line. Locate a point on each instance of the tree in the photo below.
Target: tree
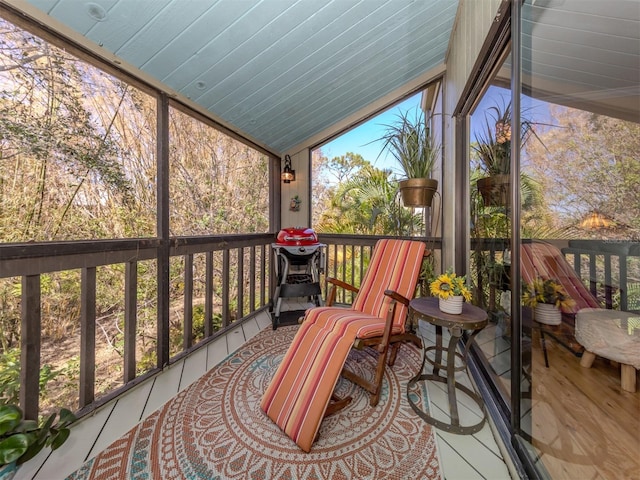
{"x": 367, "y": 204}
{"x": 591, "y": 162}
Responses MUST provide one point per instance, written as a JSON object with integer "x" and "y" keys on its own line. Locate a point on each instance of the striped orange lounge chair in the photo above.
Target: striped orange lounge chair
{"x": 299, "y": 395}
{"x": 542, "y": 260}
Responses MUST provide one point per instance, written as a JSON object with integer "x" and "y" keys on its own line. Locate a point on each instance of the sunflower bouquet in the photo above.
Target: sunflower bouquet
{"x": 548, "y": 291}
{"x": 449, "y": 285}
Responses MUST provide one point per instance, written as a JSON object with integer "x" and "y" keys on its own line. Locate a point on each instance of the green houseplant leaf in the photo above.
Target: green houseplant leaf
{"x": 21, "y": 440}
{"x": 13, "y": 447}
{"x": 10, "y": 417}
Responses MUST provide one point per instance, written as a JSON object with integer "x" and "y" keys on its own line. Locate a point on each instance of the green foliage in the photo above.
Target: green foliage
{"x": 591, "y": 163}
{"x": 148, "y": 361}
{"x": 21, "y": 440}
{"x": 366, "y": 204}
{"x": 10, "y": 376}
{"x": 412, "y": 144}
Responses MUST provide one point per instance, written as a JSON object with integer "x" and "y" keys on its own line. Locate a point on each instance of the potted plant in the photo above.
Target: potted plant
{"x": 21, "y": 439}
{"x": 411, "y": 143}
{"x": 493, "y": 152}
{"x": 451, "y": 290}
{"x": 546, "y": 297}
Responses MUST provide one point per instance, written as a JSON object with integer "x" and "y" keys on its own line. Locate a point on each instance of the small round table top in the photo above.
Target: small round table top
{"x": 426, "y": 308}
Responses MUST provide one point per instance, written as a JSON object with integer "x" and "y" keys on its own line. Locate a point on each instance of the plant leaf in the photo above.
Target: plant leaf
{"x": 10, "y": 417}
{"x": 13, "y": 447}
{"x": 60, "y": 438}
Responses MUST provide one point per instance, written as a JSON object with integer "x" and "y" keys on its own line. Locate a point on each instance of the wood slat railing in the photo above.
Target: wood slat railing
{"x": 245, "y": 265}
{"x": 238, "y": 272}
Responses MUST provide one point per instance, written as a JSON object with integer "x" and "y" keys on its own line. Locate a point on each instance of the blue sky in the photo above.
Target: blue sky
{"x": 358, "y": 140}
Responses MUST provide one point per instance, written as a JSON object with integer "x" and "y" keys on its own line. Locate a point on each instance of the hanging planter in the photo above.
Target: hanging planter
{"x": 495, "y": 190}
{"x": 418, "y": 192}
{"x": 411, "y": 142}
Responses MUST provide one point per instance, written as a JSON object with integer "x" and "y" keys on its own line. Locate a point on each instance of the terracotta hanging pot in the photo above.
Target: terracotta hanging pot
{"x": 418, "y": 192}
{"x": 495, "y": 190}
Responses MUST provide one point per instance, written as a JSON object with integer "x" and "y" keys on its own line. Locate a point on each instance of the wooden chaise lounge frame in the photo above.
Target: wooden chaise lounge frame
{"x": 300, "y": 393}
{"x": 382, "y": 344}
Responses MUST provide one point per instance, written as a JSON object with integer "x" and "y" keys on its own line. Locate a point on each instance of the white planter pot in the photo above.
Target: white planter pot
{"x": 548, "y": 314}
{"x": 452, "y": 305}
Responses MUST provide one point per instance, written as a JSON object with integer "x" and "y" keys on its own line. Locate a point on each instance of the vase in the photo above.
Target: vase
{"x": 495, "y": 190}
{"x": 7, "y": 472}
{"x": 548, "y": 314}
{"x": 452, "y": 305}
{"x": 418, "y": 192}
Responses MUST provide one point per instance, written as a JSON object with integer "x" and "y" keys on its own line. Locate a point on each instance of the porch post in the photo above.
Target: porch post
{"x": 163, "y": 229}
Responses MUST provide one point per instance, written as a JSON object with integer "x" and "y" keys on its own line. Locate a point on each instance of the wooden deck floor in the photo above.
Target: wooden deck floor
{"x": 584, "y": 425}
{"x": 463, "y": 457}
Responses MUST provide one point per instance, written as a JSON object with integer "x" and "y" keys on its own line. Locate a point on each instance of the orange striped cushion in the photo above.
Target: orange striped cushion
{"x": 301, "y": 388}
{"x": 394, "y": 265}
{"x": 545, "y": 261}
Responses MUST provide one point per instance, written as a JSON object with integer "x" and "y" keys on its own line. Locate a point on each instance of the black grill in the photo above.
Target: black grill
{"x": 298, "y": 270}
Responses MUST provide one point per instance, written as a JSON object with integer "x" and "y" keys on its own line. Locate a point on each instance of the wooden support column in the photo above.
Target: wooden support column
{"x": 130, "y": 319}
{"x": 162, "y": 189}
{"x": 30, "y": 346}
{"x": 87, "y": 337}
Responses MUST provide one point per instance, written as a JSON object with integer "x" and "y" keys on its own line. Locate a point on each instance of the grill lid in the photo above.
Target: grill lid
{"x": 295, "y": 236}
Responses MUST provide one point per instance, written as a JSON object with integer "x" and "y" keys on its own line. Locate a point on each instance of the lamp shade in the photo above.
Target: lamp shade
{"x": 288, "y": 174}
{"x": 595, "y": 221}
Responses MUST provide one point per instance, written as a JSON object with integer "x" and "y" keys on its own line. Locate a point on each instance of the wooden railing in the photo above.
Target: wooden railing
{"x": 347, "y": 257}
{"x": 610, "y": 269}
{"x": 233, "y": 274}
{"x": 236, "y": 271}
{"x": 229, "y": 277}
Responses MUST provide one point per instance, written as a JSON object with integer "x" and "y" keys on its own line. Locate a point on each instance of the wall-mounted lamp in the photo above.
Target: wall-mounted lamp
{"x": 288, "y": 175}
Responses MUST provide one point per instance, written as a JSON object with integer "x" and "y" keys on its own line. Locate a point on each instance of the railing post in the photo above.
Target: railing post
{"x": 130, "y": 319}
{"x": 593, "y": 276}
{"x": 252, "y": 280}
{"x": 187, "y": 332}
{"x": 225, "y": 287}
{"x": 624, "y": 292}
{"x": 240, "y": 270}
{"x": 208, "y": 292}
{"x": 608, "y": 286}
{"x": 30, "y": 346}
{"x": 265, "y": 291}
{"x": 87, "y": 336}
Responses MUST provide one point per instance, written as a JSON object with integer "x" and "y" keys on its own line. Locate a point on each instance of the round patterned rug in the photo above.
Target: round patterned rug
{"x": 215, "y": 429}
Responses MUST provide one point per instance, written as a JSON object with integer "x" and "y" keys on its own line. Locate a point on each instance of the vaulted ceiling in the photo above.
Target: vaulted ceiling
{"x": 279, "y": 70}
{"x": 585, "y": 54}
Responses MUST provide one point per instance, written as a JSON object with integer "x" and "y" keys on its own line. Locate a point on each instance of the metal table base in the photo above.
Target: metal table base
{"x": 472, "y": 318}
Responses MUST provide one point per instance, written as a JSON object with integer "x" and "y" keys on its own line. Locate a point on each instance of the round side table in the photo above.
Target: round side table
{"x": 472, "y": 318}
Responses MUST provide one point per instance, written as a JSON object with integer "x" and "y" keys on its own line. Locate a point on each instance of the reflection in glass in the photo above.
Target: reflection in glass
{"x": 580, "y": 226}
